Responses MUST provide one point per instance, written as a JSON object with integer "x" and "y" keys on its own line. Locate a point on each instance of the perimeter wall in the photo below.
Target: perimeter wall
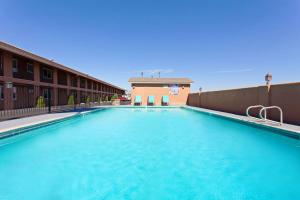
{"x": 286, "y": 96}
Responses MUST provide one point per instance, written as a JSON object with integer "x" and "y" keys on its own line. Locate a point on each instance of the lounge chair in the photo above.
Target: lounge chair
{"x": 165, "y": 100}
{"x": 138, "y": 100}
{"x": 151, "y": 100}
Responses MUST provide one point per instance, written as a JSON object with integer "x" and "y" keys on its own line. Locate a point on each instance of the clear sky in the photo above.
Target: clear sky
{"x": 217, "y": 43}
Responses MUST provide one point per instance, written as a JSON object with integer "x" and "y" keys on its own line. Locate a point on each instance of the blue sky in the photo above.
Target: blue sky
{"x": 218, "y": 43}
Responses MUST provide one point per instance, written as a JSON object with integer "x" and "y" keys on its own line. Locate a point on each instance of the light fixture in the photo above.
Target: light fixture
{"x": 268, "y": 78}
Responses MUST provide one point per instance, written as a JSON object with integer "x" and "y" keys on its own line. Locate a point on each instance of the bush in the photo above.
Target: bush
{"x": 88, "y": 99}
{"x": 115, "y": 96}
{"x": 40, "y": 102}
{"x": 71, "y": 101}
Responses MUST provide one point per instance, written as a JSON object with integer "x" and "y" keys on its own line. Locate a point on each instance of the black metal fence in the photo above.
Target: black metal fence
{"x": 25, "y": 112}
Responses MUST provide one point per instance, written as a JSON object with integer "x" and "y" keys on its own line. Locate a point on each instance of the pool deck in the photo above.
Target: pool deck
{"x": 293, "y": 129}
{"x": 13, "y": 124}
{"x": 8, "y": 127}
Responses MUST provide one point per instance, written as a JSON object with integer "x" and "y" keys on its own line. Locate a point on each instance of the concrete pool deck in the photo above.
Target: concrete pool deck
{"x": 13, "y": 124}
{"x": 294, "y": 130}
{"x": 9, "y": 127}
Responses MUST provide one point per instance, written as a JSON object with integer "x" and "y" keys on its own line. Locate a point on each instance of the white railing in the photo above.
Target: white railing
{"x": 251, "y": 107}
{"x": 268, "y": 108}
{"x": 263, "y": 115}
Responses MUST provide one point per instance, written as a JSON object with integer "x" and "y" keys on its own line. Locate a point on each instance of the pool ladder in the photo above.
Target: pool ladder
{"x": 263, "y": 113}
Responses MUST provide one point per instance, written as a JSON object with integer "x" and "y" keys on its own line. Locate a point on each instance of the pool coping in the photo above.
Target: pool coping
{"x": 285, "y": 129}
{"x": 19, "y": 129}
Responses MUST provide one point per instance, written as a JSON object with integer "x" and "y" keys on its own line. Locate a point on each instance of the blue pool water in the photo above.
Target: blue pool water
{"x": 159, "y": 153}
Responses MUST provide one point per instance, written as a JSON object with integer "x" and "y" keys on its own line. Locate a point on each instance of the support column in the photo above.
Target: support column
{"x": 97, "y": 92}
{"x": 78, "y": 90}
{"x": 68, "y": 84}
{"x": 86, "y": 88}
{"x": 36, "y": 74}
{"x": 7, "y": 89}
{"x": 55, "y": 89}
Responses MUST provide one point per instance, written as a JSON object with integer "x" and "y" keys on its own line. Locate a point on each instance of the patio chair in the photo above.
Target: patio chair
{"x": 138, "y": 100}
{"x": 151, "y": 100}
{"x": 165, "y": 100}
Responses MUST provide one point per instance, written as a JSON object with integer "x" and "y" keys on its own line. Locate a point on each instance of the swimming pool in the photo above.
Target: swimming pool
{"x": 153, "y": 153}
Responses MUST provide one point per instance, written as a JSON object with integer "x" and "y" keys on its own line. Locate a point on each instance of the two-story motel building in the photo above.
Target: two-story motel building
{"x": 25, "y": 76}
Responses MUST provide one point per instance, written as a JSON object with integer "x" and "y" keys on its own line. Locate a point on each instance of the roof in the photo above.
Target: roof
{"x": 160, "y": 80}
{"x": 26, "y": 54}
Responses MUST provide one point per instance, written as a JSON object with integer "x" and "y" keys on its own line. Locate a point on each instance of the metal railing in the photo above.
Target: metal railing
{"x": 26, "y": 112}
{"x": 263, "y": 114}
{"x": 23, "y": 112}
{"x": 268, "y": 108}
{"x": 252, "y": 107}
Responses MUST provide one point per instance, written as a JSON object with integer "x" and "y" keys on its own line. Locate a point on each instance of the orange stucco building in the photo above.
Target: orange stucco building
{"x": 177, "y": 89}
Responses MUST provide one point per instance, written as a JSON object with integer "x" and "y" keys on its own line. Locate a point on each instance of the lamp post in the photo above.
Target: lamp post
{"x": 268, "y": 79}
{"x": 199, "y": 98}
{"x": 200, "y": 90}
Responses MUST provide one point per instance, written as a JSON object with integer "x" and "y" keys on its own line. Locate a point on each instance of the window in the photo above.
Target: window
{"x": 47, "y": 73}
{"x": 45, "y": 94}
{"x": 15, "y": 65}
{"x": 14, "y": 93}
{"x": 1, "y": 62}
{"x": 30, "y": 68}
{"x": 74, "y": 94}
{"x": 1, "y": 92}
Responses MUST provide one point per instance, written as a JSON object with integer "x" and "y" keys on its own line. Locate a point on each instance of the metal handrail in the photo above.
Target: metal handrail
{"x": 250, "y": 107}
{"x": 271, "y": 107}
